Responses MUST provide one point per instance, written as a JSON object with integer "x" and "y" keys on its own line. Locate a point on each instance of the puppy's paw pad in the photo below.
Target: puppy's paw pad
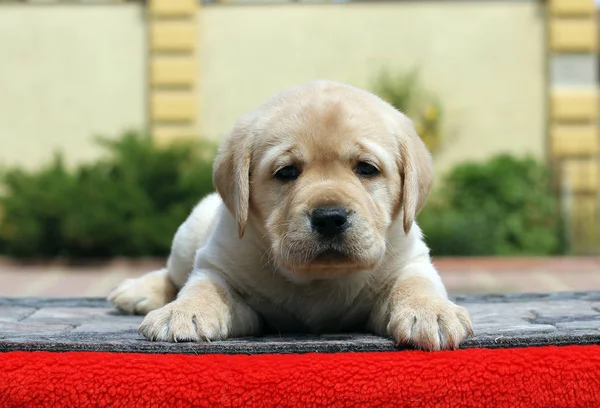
{"x": 430, "y": 323}
{"x": 182, "y": 322}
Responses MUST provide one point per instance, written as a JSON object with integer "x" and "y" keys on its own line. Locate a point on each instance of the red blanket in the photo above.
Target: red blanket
{"x": 526, "y": 377}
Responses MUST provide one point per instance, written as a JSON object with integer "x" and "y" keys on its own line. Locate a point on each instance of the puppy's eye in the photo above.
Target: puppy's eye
{"x": 365, "y": 169}
{"x": 288, "y": 173}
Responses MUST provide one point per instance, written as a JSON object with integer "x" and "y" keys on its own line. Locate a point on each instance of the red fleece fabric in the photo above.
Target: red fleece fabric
{"x": 525, "y": 377}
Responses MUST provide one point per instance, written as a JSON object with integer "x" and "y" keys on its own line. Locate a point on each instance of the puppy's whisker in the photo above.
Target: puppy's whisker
{"x": 268, "y": 254}
{"x": 281, "y": 245}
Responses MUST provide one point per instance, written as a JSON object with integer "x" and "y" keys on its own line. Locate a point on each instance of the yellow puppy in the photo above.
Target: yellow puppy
{"x": 312, "y": 231}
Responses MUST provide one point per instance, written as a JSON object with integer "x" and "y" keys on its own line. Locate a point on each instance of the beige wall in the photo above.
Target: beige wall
{"x": 73, "y": 71}
{"x": 485, "y": 60}
{"x": 67, "y": 73}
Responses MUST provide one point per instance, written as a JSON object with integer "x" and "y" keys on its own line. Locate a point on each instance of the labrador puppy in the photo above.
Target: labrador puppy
{"x": 313, "y": 230}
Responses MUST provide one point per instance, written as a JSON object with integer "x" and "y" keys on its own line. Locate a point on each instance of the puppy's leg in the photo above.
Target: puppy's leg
{"x": 416, "y": 310}
{"x": 205, "y": 309}
{"x": 190, "y": 236}
{"x": 156, "y": 289}
{"x": 143, "y": 294}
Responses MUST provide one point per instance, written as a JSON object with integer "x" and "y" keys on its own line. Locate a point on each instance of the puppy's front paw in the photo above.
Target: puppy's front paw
{"x": 429, "y": 323}
{"x": 186, "y": 320}
{"x": 143, "y": 294}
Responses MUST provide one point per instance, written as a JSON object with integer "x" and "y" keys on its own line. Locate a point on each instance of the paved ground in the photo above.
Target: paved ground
{"x": 461, "y": 275}
{"x": 498, "y": 321}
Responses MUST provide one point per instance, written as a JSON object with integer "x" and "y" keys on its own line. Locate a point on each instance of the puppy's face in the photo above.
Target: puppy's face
{"x": 326, "y": 188}
{"x": 329, "y": 168}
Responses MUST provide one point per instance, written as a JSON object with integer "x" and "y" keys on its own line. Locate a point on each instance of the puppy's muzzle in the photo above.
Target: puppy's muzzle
{"x": 329, "y": 222}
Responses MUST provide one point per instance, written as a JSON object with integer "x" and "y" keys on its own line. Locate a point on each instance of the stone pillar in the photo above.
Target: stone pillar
{"x": 574, "y": 144}
{"x": 173, "y": 75}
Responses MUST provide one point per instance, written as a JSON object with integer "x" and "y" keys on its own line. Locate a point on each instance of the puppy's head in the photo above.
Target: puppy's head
{"x": 323, "y": 170}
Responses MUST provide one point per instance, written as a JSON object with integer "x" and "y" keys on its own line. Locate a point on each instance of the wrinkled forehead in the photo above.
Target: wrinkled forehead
{"x": 326, "y": 129}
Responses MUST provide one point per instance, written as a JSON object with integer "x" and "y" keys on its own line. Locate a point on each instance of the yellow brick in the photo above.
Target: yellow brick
{"x": 574, "y": 105}
{"x": 172, "y": 8}
{"x": 173, "y": 71}
{"x": 173, "y": 107}
{"x": 584, "y": 219}
{"x": 167, "y": 134}
{"x": 585, "y": 206}
{"x": 572, "y": 7}
{"x": 173, "y": 36}
{"x": 573, "y": 140}
{"x": 580, "y": 175}
{"x": 573, "y": 35}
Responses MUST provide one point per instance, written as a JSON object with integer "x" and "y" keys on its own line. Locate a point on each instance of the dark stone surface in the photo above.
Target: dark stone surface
{"x": 500, "y": 321}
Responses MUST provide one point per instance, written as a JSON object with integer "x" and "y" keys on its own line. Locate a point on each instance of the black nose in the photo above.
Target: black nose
{"x": 329, "y": 221}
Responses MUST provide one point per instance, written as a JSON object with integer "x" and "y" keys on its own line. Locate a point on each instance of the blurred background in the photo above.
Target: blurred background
{"x": 110, "y": 112}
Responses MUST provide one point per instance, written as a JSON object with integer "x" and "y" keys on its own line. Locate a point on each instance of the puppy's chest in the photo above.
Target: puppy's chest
{"x": 311, "y": 312}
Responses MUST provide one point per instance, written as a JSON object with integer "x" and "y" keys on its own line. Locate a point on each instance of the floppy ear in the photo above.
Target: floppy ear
{"x": 231, "y": 172}
{"x": 416, "y": 171}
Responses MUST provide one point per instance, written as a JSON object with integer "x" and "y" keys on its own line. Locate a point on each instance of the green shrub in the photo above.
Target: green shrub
{"x": 504, "y": 206}
{"x": 131, "y": 201}
{"x": 128, "y": 203}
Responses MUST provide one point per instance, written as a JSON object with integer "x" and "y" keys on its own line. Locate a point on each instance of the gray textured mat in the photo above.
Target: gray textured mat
{"x": 500, "y": 321}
